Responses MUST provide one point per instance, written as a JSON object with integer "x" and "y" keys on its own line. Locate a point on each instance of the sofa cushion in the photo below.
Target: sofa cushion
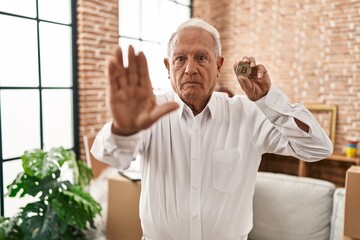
{"x": 291, "y": 208}
{"x": 337, "y": 220}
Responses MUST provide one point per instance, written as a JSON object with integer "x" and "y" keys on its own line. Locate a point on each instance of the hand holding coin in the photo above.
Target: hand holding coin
{"x": 253, "y": 79}
{"x": 243, "y": 69}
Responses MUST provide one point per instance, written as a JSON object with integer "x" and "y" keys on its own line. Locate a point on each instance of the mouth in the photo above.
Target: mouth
{"x": 191, "y": 86}
{"x": 191, "y": 83}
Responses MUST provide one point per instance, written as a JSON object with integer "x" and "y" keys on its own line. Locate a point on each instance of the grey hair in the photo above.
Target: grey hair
{"x": 197, "y": 23}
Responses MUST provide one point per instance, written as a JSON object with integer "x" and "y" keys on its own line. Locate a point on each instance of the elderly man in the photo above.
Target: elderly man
{"x": 200, "y": 150}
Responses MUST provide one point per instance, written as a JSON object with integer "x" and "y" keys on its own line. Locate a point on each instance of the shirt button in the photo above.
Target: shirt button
{"x": 194, "y": 158}
{"x": 195, "y": 216}
{"x": 194, "y": 186}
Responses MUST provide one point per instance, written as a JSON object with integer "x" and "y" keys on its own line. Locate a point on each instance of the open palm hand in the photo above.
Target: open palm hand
{"x": 132, "y": 101}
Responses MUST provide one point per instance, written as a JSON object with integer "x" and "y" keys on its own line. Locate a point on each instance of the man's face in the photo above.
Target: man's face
{"x": 193, "y": 67}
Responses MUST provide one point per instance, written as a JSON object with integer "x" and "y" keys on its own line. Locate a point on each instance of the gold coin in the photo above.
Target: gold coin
{"x": 243, "y": 69}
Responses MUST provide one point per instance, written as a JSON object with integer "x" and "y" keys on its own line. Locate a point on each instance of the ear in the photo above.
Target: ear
{"x": 219, "y": 63}
{"x": 167, "y": 65}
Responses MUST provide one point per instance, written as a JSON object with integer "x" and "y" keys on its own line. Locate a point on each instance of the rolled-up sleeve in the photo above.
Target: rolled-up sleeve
{"x": 117, "y": 151}
{"x": 309, "y": 146}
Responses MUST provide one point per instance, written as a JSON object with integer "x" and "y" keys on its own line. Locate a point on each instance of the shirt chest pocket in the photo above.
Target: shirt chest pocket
{"x": 227, "y": 169}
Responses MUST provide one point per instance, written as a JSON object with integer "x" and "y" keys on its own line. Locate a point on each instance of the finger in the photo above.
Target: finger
{"x": 112, "y": 75}
{"x": 245, "y": 84}
{"x": 235, "y": 66}
{"x": 159, "y": 111}
{"x": 120, "y": 70}
{"x": 260, "y": 71}
{"x": 245, "y": 59}
{"x": 131, "y": 71}
{"x": 119, "y": 56}
{"x": 252, "y": 62}
{"x": 144, "y": 79}
{"x": 163, "y": 109}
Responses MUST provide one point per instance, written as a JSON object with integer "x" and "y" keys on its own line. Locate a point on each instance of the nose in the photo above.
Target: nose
{"x": 191, "y": 67}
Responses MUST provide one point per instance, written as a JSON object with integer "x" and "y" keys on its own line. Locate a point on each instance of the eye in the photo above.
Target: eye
{"x": 179, "y": 59}
{"x": 201, "y": 58}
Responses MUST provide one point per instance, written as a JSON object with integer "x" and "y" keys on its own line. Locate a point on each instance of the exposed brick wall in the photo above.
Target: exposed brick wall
{"x": 310, "y": 49}
{"x": 97, "y": 36}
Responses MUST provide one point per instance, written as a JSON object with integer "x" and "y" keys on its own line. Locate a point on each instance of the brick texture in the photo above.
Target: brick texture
{"x": 310, "y": 49}
{"x": 97, "y": 37}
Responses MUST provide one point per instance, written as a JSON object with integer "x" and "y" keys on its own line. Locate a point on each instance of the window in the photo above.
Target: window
{"x": 37, "y": 84}
{"x": 147, "y": 25}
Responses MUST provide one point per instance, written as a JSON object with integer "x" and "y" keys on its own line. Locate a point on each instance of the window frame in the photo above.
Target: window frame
{"x": 142, "y": 40}
{"x": 40, "y": 88}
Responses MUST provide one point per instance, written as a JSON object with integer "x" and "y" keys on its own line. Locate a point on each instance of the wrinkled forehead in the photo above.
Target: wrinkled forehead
{"x": 192, "y": 37}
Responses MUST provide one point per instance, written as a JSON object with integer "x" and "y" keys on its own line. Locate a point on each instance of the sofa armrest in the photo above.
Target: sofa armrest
{"x": 290, "y": 207}
{"x": 337, "y": 219}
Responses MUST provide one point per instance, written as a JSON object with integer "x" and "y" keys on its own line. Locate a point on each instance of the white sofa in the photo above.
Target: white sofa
{"x": 296, "y": 208}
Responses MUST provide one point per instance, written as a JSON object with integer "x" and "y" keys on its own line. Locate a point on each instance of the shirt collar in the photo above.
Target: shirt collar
{"x": 184, "y": 109}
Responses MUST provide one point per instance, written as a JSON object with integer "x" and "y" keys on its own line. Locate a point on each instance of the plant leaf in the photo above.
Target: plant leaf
{"x": 40, "y": 224}
{"x": 61, "y": 155}
{"x": 85, "y": 199}
{"x": 85, "y": 174}
{"x": 9, "y": 229}
{"x": 76, "y": 207}
{"x": 72, "y": 233}
{"x": 39, "y": 221}
{"x": 17, "y": 185}
{"x": 82, "y": 174}
{"x": 64, "y": 209}
{"x": 26, "y": 184}
{"x": 39, "y": 164}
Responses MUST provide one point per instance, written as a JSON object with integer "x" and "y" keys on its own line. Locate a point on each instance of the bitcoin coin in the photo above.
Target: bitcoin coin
{"x": 243, "y": 69}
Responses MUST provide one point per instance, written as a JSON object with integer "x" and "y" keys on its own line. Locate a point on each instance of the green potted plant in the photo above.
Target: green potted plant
{"x": 63, "y": 210}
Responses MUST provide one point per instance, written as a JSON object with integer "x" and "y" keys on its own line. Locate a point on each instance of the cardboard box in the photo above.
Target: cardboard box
{"x": 352, "y": 204}
{"x": 123, "y": 222}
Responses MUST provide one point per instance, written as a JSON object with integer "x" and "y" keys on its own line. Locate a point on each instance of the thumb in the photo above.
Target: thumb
{"x": 145, "y": 121}
{"x": 163, "y": 109}
{"x": 245, "y": 83}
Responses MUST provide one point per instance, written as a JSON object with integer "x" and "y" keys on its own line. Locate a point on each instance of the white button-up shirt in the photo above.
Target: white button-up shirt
{"x": 198, "y": 172}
